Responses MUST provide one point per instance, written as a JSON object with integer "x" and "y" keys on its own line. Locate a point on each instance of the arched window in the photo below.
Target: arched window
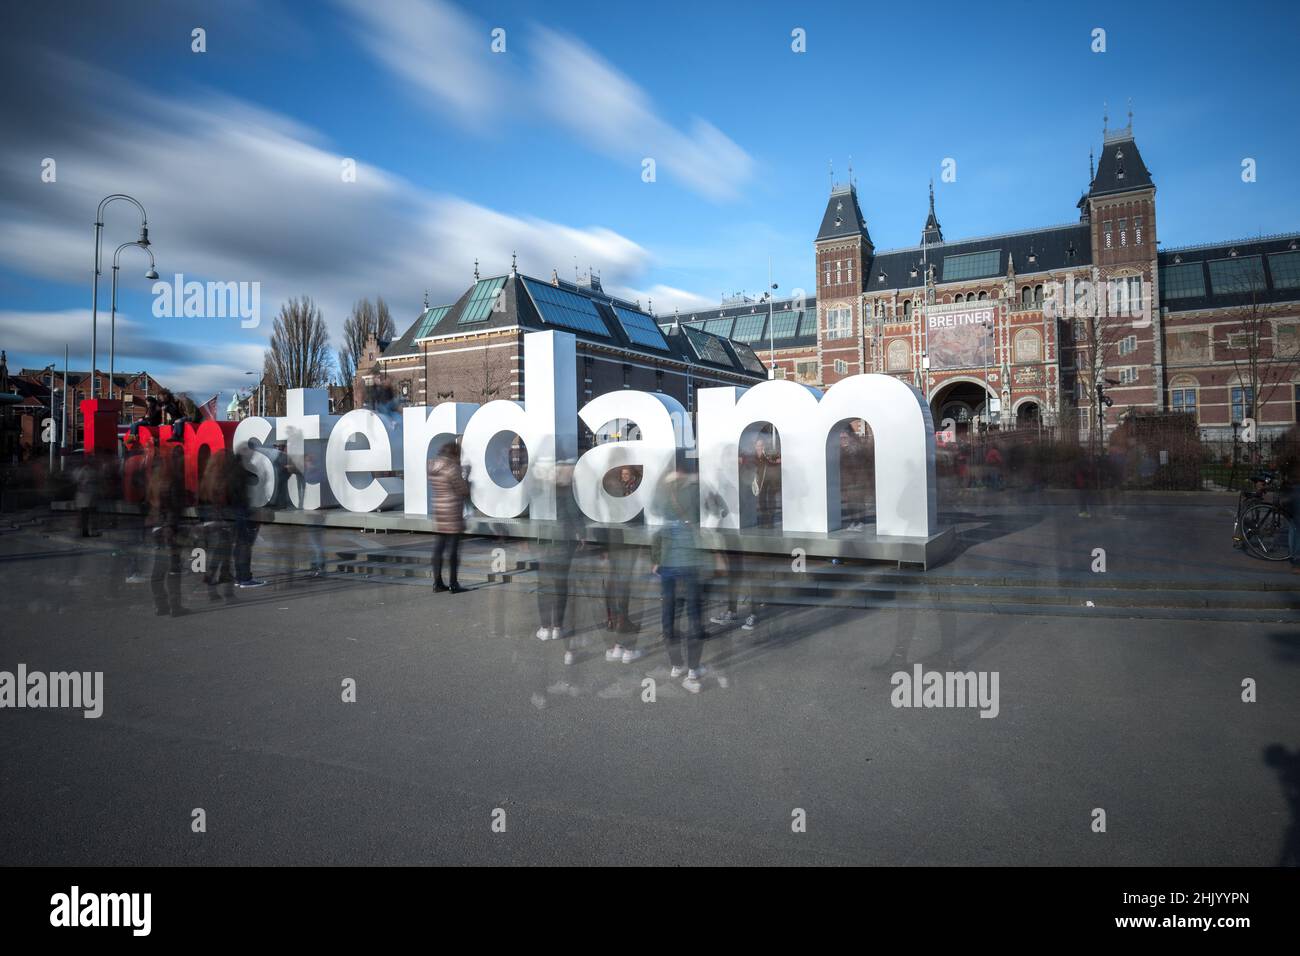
{"x": 959, "y": 298}
{"x": 1028, "y": 346}
{"x": 1038, "y": 295}
{"x": 1026, "y": 295}
{"x": 900, "y": 356}
{"x": 907, "y": 308}
{"x": 983, "y": 296}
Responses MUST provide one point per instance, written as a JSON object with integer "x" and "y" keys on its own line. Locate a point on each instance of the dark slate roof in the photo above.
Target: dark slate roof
{"x": 519, "y": 309}
{"x": 747, "y": 322}
{"x": 1056, "y": 247}
{"x": 1278, "y": 286}
{"x": 1120, "y": 168}
{"x": 403, "y": 345}
{"x": 843, "y": 216}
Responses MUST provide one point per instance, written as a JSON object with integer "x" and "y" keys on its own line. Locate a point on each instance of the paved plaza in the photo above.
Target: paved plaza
{"x": 460, "y": 713}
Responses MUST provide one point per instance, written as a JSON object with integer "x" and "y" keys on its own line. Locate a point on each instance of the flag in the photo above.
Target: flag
{"x": 208, "y": 410}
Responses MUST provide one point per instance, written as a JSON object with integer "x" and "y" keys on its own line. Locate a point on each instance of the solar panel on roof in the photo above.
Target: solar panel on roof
{"x": 748, "y": 358}
{"x": 785, "y": 325}
{"x": 431, "y": 318}
{"x": 808, "y": 324}
{"x": 1285, "y": 267}
{"x": 482, "y": 300}
{"x": 567, "y": 309}
{"x": 707, "y": 347}
{"x": 641, "y": 328}
{"x": 971, "y": 265}
{"x": 749, "y": 328}
{"x": 1240, "y": 275}
{"x": 1184, "y": 280}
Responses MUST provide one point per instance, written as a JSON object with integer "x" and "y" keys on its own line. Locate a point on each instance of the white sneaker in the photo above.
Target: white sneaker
{"x": 750, "y": 623}
{"x": 632, "y": 654}
{"x": 568, "y": 658}
{"x": 543, "y": 633}
{"x": 676, "y": 672}
{"x": 250, "y": 583}
{"x": 137, "y": 579}
{"x": 557, "y": 633}
{"x": 725, "y": 618}
{"x": 615, "y": 653}
{"x": 692, "y": 683}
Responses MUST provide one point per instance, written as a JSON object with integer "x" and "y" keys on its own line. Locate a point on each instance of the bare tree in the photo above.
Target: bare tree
{"x": 299, "y": 356}
{"x": 1101, "y": 319}
{"x": 493, "y": 380}
{"x": 366, "y": 320}
{"x": 1264, "y": 351}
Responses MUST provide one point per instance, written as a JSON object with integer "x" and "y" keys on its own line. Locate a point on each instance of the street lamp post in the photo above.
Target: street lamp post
{"x": 112, "y": 325}
{"x": 94, "y": 285}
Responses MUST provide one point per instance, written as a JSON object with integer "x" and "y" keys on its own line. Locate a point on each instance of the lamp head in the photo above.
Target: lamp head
{"x": 152, "y": 273}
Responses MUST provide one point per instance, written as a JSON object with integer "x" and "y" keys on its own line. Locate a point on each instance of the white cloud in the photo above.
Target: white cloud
{"x": 436, "y": 50}
{"x": 614, "y": 115}
{"x": 444, "y": 58}
{"x": 236, "y": 193}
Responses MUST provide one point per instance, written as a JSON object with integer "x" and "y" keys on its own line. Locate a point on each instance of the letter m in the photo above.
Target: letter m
{"x": 223, "y": 300}
{"x": 805, "y": 423}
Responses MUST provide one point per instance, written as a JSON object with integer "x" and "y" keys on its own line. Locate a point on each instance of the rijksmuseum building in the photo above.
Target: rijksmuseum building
{"x": 1208, "y": 330}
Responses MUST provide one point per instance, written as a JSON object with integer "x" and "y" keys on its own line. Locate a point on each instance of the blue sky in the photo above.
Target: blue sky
{"x": 463, "y": 153}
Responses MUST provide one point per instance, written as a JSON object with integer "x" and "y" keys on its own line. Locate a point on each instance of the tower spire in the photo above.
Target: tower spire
{"x": 931, "y": 233}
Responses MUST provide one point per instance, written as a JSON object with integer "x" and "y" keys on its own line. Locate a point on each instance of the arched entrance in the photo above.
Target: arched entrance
{"x": 962, "y": 401}
{"x": 1028, "y": 413}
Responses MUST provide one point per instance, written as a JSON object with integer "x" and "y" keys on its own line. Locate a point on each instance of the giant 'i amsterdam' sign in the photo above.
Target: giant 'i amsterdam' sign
{"x": 359, "y": 446}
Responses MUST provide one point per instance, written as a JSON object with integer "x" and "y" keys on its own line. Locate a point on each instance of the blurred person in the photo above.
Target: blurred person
{"x": 86, "y": 500}
{"x": 765, "y": 482}
{"x": 152, "y": 412}
{"x": 314, "y": 474}
{"x": 166, "y": 505}
{"x": 450, "y": 490}
{"x": 620, "y": 563}
{"x": 214, "y": 518}
{"x": 135, "y": 498}
{"x": 558, "y": 542}
{"x": 676, "y": 557}
{"x": 245, "y": 528}
{"x": 993, "y": 464}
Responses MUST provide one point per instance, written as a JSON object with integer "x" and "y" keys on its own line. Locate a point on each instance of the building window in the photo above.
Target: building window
{"x": 839, "y": 323}
{"x": 841, "y": 367}
{"x": 1137, "y": 230}
{"x": 805, "y": 372}
{"x": 1243, "y": 403}
{"x": 907, "y": 309}
{"x": 1128, "y": 345}
{"x": 778, "y": 372}
{"x": 1128, "y": 376}
{"x": 850, "y": 271}
{"x": 1038, "y": 295}
{"x": 899, "y": 356}
{"x": 1123, "y": 232}
{"x": 1027, "y": 346}
{"x": 1239, "y": 340}
{"x": 983, "y": 296}
{"x": 1183, "y": 399}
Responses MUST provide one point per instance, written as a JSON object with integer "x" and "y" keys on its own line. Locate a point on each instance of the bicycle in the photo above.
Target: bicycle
{"x": 1263, "y": 527}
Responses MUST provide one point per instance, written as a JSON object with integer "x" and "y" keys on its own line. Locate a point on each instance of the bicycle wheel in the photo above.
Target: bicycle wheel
{"x": 1266, "y": 532}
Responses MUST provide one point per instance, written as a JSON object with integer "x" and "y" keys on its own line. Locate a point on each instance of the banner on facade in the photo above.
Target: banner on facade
{"x": 959, "y": 339}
